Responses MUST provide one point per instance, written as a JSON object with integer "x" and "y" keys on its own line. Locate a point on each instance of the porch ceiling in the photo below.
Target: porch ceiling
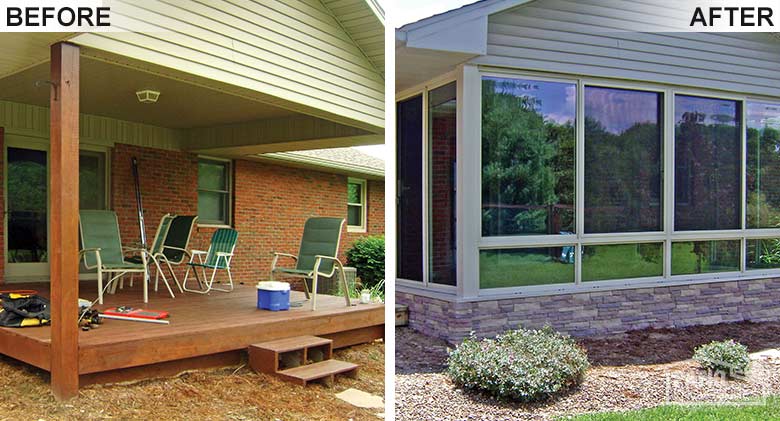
{"x": 212, "y": 117}
{"x": 109, "y": 90}
{"x": 19, "y": 51}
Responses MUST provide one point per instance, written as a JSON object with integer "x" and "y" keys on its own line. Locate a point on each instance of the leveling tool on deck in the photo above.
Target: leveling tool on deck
{"x": 135, "y": 315}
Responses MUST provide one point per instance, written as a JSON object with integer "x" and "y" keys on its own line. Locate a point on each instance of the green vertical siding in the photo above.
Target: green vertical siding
{"x": 33, "y": 121}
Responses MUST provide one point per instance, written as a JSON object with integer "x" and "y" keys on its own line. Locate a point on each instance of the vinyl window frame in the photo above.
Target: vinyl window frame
{"x": 667, "y": 235}
{"x": 422, "y": 90}
{"x": 362, "y": 228}
{"x": 228, "y": 164}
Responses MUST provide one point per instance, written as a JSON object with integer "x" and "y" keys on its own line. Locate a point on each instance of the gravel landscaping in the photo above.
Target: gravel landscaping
{"x": 633, "y": 370}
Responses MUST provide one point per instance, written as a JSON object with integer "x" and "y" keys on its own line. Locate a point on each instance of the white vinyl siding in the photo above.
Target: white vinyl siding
{"x": 594, "y": 38}
{"x": 296, "y": 52}
{"x": 357, "y": 17}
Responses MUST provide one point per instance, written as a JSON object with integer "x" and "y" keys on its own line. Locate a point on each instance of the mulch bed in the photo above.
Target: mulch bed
{"x": 657, "y": 346}
{"x": 234, "y": 393}
{"x": 629, "y": 371}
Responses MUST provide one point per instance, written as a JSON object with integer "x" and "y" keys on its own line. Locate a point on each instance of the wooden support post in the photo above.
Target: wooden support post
{"x": 64, "y": 220}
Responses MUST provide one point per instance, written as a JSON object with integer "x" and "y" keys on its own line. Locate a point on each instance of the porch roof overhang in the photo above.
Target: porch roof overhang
{"x": 364, "y": 21}
{"x": 339, "y": 161}
{"x": 435, "y": 45}
{"x": 204, "y": 116}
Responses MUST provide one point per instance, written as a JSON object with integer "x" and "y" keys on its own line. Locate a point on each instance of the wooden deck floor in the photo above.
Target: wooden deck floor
{"x": 201, "y": 326}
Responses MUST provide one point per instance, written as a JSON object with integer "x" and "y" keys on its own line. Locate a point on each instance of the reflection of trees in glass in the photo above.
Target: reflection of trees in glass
{"x": 763, "y": 253}
{"x": 763, "y": 177}
{"x": 705, "y": 256}
{"x": 707, "y": 161}
{"x": 622, "y": 178}
{"x": 527, "y": 165}
{"x": 353, "y": 193}
{"x": 90, "y": 183}
{"x": 27, "y": 202}
{"x": 26, "y": 186}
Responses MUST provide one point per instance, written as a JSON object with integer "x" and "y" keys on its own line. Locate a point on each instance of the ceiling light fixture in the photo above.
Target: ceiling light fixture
{"x": 147, "y": 96}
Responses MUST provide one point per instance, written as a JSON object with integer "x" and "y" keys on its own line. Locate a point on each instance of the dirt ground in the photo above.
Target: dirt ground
{"x": 633, "y": 370}
{"x": 234, "y": 393}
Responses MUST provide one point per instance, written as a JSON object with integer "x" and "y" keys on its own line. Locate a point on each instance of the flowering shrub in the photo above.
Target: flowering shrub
{"x": 728, "y": 357}
{"x": 522, "y": 365}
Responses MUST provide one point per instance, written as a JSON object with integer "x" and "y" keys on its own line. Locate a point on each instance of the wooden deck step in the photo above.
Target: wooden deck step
{"x": 274, "y": 356}
{"x": 294, "y": 343}
{"x": 323, "y": 370}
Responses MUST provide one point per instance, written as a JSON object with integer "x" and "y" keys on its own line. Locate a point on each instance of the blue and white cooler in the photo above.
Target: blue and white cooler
{"x": 272, "y": 295}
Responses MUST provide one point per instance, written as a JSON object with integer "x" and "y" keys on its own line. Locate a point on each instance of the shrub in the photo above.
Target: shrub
{"x": 367, "y": 256}
{"x": 522, "y": 365}
{"x": 728, "y": 357}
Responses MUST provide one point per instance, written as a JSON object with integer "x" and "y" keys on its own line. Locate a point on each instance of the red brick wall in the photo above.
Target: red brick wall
{"x": 443, "y": 150}
{"x": 168, "y": 182}
{"x": 271, "y": 203}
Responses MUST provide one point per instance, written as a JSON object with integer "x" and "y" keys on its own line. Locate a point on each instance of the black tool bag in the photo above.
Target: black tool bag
{"x": 20, "y": 310}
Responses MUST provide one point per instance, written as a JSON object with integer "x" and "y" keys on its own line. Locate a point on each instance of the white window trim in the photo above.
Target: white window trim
{"x": 229, "y": 211}
{"x": 470, "y": 240}
{"x": 363, "y": 206}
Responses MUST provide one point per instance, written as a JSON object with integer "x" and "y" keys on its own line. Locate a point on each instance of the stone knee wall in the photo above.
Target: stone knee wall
{"x": 596, "y": 313}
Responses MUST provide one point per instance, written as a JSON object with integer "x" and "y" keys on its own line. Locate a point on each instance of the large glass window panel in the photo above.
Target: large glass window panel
{"x": 622, "y": 261}
{"x": 526, "y": 266}
{"x": 763, "y": 253}
{"x": 27, "y": 196}
{"x": 623, "y": 160}
{"x": 528, "y": 157}
{"x": 92, "y": 180}
{"x": 409, "y": 159}
{"x": 763, "y": 165}
{"x": 441, "y": 163}
{"x": 692, "y": 257}
{"x": 707, "y": 163}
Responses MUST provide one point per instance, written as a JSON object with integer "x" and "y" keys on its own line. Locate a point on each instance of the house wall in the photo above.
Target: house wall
{"x": 591, "y": 39}
{"x": 294, "y": 54}
{"x": 270, "y": 203}
{"x": 597, "y": 313}
{"x": 596, "y": 39}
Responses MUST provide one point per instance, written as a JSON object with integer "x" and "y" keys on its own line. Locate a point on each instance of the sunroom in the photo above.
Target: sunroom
{"x": 595, "y": 182}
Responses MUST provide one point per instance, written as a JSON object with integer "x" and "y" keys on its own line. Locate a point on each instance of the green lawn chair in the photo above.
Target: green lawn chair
{"x": 173, "y": 247}
{"x": 157, "y": 245}
{"x": 316, "y": 257}
{"x": 102, "y": 249}
{"x": 219, "y": 255}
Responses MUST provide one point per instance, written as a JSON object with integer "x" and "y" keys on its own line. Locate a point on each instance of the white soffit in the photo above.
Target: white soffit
{"x": 435, "y": 45}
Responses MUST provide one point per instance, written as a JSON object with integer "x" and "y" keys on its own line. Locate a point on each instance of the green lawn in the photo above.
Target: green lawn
{"x": 768, "y": 409}
{"x": 507, "y": 268}
{"x": 624, "y": 261}
{"x": 536, "y": 266}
